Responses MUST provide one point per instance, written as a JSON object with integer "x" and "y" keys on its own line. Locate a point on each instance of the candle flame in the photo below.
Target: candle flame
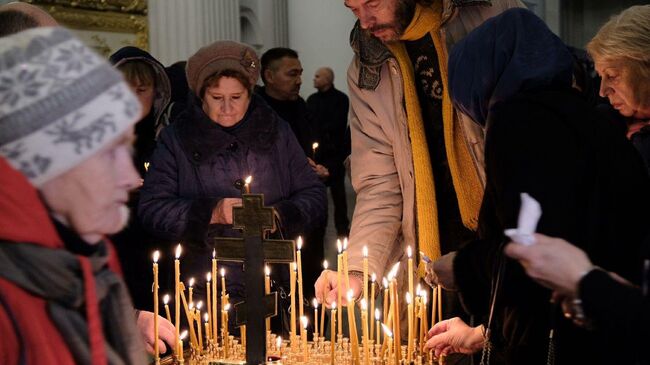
{"x": 208, "y": 277}
{"x": 424, "y": 298}
{"x": 315, "y": 303}
{"x": 214, "y": 253}
{"x": 156, "y": 256}
{"x": 350, "y": 295}
{"x": 294, "y": 266}
{"x": 191, "y": 305}
{"x": 393, "y": 272}
{"x": 377, "y": 314}
{"x": 299, "y": 243}
{"x": 409, "y": 251}
{"x": 267, "y": 270}
{"x": 339, "y": 246}
{"x": 165, "y": 299}
{"x": 223, "y": 272}
{"x": 183, "y": 334}
{"x": 248, "y": 180}
{"x": 333, "y": 305}
{"x": 191, "y": 282}
{"x": 146, "y": 166}
{"x": 206, "y": 317}
{"x": 199, "y": 305}
{"x": 373, "y": 277}
{"x": 304, "y": 321}
{"x": 387, "y": 331}
{"x": 365, "y": 252}
{"x": 314, "y": 145}
{"x": 384, "y": 282}
{"x": 226, "y": 307}
{"x": 345, "y": 243}
{"x": 326, "y": 264}
{"x": 178, "y": 251}
{"x": 364, "y": 304}
{"x": 408, "y": 298}
{"x": 278, "y": 342}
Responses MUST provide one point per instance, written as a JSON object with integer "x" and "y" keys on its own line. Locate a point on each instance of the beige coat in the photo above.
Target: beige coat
{"x": 381, "y": 159}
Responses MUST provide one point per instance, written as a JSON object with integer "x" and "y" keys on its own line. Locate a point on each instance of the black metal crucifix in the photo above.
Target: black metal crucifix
{"x": 254, "y": 219}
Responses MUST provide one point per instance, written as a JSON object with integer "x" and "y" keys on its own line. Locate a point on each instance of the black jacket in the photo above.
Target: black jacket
{"x": 593, "y": 190}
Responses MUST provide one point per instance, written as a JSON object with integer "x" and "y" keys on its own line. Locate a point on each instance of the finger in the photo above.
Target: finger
{"x": 148, "y": 347}
{"x": 332, "y": 297}
{"x": 438, "y": 328}
{"x": 514, "y": 250}
{"x": 161, "y": 347}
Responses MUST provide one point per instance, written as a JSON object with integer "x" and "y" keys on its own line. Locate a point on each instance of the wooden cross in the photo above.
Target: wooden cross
{"x": 254, "y": 219}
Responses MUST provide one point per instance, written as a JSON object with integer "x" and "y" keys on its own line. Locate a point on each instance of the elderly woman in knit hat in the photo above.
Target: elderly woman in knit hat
{"x": 227, "y": 134}
{"x": 66, "y": 129}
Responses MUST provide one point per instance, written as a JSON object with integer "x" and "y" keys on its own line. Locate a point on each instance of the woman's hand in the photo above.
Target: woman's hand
{"x": 222, "y": 213}
{"x": 552, "y": 262}
{"x": 166, "y": 332}
{"x": 454, "y": 336}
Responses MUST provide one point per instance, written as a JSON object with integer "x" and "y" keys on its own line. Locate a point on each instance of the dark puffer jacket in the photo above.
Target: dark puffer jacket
{"x": 197, "y": 163}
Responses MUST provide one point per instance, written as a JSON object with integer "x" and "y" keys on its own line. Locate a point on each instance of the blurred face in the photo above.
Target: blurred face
{"x": 284, "y": 78}
{"x": 91, "y": 198}
{"x": 322, "y": 79}
{"x": 385, "y": 19}
{"x": 618, "y": 86}
{"x": 145, "y": 94}
{"x": 226, "y": 102}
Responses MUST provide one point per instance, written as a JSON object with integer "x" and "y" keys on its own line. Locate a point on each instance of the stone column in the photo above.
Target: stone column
{"x": 177, "y": 29}
{"x": 281, "y": 22}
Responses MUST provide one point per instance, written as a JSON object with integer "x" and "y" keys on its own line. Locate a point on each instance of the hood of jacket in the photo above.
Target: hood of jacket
{"x": 373, "y": 53}
{"x": 163, "y": 86}
{"x": 202, "y": 138}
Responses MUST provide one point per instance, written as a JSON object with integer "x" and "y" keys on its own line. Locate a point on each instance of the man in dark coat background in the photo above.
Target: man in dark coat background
{"x": 329, "y": 110}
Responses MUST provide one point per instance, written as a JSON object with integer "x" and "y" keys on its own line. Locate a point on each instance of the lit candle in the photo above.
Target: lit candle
{"x": 224, "y": 324}
{"x": 365, "y": 273}
{"x": 364, "y": 331}
{"x": 373, "y": 279}
{"x": 377, "y": 318}
{"x": 208, "y": 284}
{"x": 191, "y": 289}
{"x": 214, "y": 315}
{"x": 395, "y": 303}
{"x": 278, "y": 345}
{"x": 156, "y": 351}
{"x": 189, "y": 309}
{"x": 389, "y": 336}
{"x": 208, "y": 335}
{"x": 247, "y": 184}
{"x": 314, "y": 147}
{"x": 146, "y": 166}
{"x": 315, "y": 303}
{"x": 409, "y": 306}
{"x": 223, "y": 287}
{"x": 166, "y": 302}
{"x": 424, "y": 326}
{"x": 303, "y": 334}
{"x": 267, "y": 290}
{"x": 292, "y": 294}
{"x": 179, "y": 350}
{"x": 333, "y": 333}
{"x": 352, "y": 327}
{"x": 300, "y": 283}
{"x": 197, "y": 318}
{"x": 322, "y": 313}
{"x": 339, "y": 282}
{"x": 177, "y": 298}
{"x": 384, "y": 282}
{"x": 409, "y": 254}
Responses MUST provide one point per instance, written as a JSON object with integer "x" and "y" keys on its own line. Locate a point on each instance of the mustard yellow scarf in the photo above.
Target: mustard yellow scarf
{"x": 469, "y": 190}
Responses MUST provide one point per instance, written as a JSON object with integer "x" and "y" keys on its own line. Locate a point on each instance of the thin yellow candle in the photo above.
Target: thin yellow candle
{"x": 377, "y": 318}
{"x": 292, "y": 294}
{"x": 333, "y": 333}
{"x": 364, "y": 331}
{"x": 267, "y": 290}
{"x": 224, "y": 324}
{"x": 314, "y": 147}
{"x": 439, "y": 303}
{"x": 315, "y": 304}
{"x": 166, "y": 302}
{"x": 179, "y": 350}
{"x": 352, "y": 326}
{"x": 223, "y": 287}
{"x": 385, "y": 284}
{"x": 424, "y": 322}
{"x": 242, "y": 331}
{"x": 188, "y": 314}
{"x": 300, "y": 283}
{"x": 208, "y": 284}
{"x": 339, "y": 283}
{"x": 197, "y": 318}
{"x": 214, "y": 316}
{"x": 156, "y": 351}
{"x": 365, "y": 273}
{"x": 303, "y": 334}
{"x": 434, "y": 303}
{"x": 409, "y": 306}
{"x": 388, "y": 335}
{"x": 247, "y": 184}
{"x": 177, "y": 298}
{"x": 191, "y": 289}
{"x": 278, "y": 345}
{"x": 208, "y": 335}
{"x": 395, "y": 303}
{"x": 373, "y": 279}
{"x": 322, "y": 313}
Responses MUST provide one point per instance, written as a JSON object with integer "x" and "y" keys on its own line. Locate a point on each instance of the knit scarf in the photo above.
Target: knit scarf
{"x": 469, "y": 191}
